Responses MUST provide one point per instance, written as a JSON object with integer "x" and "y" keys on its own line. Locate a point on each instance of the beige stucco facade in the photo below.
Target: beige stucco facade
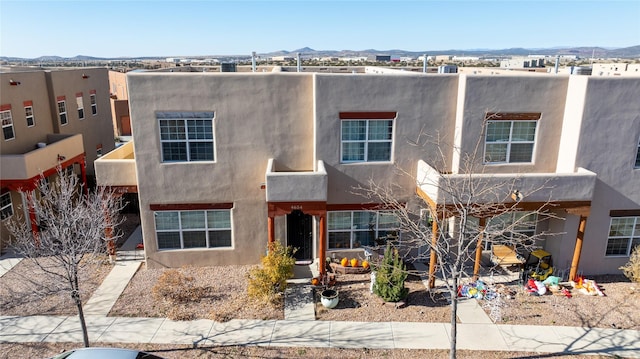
{"x": 277, "y": 137}
{"x": 42, "y": 142}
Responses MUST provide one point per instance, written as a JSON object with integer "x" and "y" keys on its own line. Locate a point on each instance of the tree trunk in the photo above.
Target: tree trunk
{"x": 454, "y": 314}
{"x": 75, "y": 294}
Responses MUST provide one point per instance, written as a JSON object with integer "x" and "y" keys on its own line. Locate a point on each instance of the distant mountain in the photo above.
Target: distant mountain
{"x": 583, "y": 52}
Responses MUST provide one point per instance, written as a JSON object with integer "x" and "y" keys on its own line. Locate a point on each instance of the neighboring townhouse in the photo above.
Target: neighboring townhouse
{"x": 50, "y": 118}
{"x": 224, "y": 163}
{"x": 119, "y": 103}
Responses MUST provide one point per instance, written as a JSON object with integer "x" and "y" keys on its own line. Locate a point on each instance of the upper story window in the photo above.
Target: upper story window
{"x": 6, "y": 208}
{"x": 80, "y": 104}
{"x": 193, "y": 229}
{"x": 186, "y": 136}
{"x": 366, "y": 136}
{"x": 62, "y": 110}
{"x": 94, "y": 104}
{"x": 624, "y": 236}
{"x": 353, "y": 229}
{"x": 28, "y": 114}
{"x": 510, "y": 137}
{"x": 7, "y": 123}
{"x": 638, "y": 156}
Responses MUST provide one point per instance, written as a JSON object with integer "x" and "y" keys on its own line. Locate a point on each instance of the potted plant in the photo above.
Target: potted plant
{"x": 329, "y": 298}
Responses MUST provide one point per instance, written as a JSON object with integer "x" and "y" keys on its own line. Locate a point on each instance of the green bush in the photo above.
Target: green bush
{"x": 268, "y": 282}
{"x": 390, "y": 276}
{"x": 632, "y": 269}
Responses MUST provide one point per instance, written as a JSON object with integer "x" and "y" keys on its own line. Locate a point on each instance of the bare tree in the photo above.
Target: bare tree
{"x": 454, "y": 215}
{"x": 74, "y": 226}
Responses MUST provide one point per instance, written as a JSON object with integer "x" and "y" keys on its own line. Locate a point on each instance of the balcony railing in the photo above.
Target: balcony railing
{"x": 299, "y": 186}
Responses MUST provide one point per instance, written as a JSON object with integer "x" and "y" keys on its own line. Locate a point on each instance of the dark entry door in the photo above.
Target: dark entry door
{"x": 299, "y": 234}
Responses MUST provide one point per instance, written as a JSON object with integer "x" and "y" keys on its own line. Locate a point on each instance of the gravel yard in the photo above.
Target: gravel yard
{"x": 27, "y": 290}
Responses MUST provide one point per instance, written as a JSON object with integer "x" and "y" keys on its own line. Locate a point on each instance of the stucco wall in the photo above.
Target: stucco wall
{"x": 424, "y": 104}
{"x": 32, "y": 87}
{"x": 608, "y": 146}
{"x": 96, "y": 129}
{"x": 544, "y": 94}
{"x": 257, "y": 117}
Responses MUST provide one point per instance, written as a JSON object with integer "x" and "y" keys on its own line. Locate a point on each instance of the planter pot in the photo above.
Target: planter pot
{"x": 329, "y": 298}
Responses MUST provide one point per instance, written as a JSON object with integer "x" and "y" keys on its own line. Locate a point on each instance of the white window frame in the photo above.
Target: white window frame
{"x": 29, "y": 116}
{"x": 187, "y": 116}
{"x": 80, "y": 104}
{"x": 206, "y": 229}
{"x": 62, "y": 112}
{"x": 7, "y": 122}
{"x": 637, "y": 164}
{"x": 634, "y": 236}
{"x": 94, "y": 104}
{"x": 6, "y": 206}
{"x": 510, "y": 142}
{"x": 352, "y": 230}
{"x": 366, "y": 141}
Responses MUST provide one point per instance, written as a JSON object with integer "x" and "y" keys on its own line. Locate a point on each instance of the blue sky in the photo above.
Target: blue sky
{"x": 197, "y": 28}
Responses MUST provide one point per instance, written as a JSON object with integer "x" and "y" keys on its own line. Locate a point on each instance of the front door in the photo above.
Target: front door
{"x": 300, "y": 235}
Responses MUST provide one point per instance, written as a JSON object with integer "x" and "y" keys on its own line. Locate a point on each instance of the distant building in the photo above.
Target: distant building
{"x": 380, "y": 58}
{"x": 522, "y": 63}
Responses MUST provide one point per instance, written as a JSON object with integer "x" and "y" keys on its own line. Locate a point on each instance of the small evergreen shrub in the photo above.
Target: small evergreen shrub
{"x": 268, "y": 282}
{"x": 631, "y": 270}
{"x": 390, "y": 276}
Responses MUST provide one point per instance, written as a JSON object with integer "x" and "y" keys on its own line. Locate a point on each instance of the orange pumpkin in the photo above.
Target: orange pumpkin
{"x": 344, "y": 262}
{"x": 354, "y": 262}
{"x": 365, "y": 264}
{"x": 315, "y": 281}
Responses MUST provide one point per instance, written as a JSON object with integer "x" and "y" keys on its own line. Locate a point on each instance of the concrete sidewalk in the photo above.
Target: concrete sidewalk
{"x": 305, "y": 333}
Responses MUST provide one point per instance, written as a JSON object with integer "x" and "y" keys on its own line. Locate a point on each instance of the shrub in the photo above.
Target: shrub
{"x": 175, "y": 287}
{"x": 632, "y": 269}
{"x": 390, "y": 276}
{"x": 268, "y": 282}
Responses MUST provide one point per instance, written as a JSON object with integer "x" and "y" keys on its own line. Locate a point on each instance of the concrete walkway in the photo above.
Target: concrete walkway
{"x": 7, "y": 262}
{"x": 324, "y": 334}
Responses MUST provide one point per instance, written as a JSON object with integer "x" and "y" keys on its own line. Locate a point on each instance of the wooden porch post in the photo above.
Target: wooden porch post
{"x": 32, "y": 217}
{"x": 271, "y": 229}
{"x": 578, "y": 249}
{"x": 476, "y": 265}
{"x": 83, "y": 174}
{"x": 433, "y": 257}
{"x": 322, "y": 251}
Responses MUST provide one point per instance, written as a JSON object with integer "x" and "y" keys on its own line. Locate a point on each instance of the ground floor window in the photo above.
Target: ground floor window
{"x": 624, "y": 236}
{"x": 353, "y": 229}
{"x": 193, "y": 229}
{"x": 6, "y": 208}
{"x": 512, "y": 227}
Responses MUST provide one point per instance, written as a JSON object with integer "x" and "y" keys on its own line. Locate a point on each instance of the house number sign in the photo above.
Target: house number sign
{"x": 296, "y": 207}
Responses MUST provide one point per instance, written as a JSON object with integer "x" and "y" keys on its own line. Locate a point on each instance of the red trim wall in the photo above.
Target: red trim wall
{"x": 189, "y": 206}
{"x": 374, "y": 115}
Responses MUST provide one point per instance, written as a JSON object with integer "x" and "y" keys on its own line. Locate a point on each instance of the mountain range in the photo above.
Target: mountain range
{"x": 582, "y": 52}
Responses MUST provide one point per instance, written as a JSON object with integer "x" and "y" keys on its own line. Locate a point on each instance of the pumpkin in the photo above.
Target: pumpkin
{"x": 315, "y": 281}
{"x": 365, "y": 264}
{"x": 344, "y": 262}
{"x": 354, "y": 262}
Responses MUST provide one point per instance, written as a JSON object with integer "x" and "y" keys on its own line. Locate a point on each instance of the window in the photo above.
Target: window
{"x": 62, "y": 112}
{"x": 94, "y": 104}
{"x": 193, "y": 229}
{"x": 510, "y": 137}
{"x": 28, "y": 113}
{"x": 638, "y": 156}
{"x": 186, "y": 136}
{"x": 6, "y": 208}
{"x": 624, "y": 236}
{"x": 7, "y": 125}
{"x": 80, "y": 106}
{"x": 353, "y": 229}
{"x": 512, "y": 227}
{"x": 367, "y": 140}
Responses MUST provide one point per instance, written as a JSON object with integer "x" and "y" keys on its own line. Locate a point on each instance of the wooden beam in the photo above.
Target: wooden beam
{"x": 578, "y": 248}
